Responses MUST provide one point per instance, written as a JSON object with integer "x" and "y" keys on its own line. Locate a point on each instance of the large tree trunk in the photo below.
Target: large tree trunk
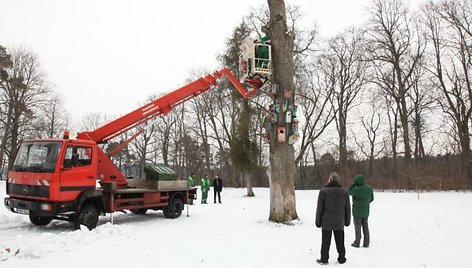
{"x": 345, "y": 176}
{"x": 15, "y": 130}
{"x": 393, "y": 123}
{"x": 409, "y": 165}
{"x": 248, "y": 178}
{"x": 465, "y": 150}
{"x": 282, "y": 162}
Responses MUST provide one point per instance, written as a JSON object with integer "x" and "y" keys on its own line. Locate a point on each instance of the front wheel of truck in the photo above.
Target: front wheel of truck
{"x": 40, "y": 221}
{"x": 87, "y": 216}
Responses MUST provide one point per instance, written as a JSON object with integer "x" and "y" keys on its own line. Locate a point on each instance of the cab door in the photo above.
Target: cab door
{"x": 78, "y": 172}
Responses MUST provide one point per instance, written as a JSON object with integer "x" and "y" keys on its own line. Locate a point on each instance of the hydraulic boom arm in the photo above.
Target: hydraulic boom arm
{"x": 163, "y": 105}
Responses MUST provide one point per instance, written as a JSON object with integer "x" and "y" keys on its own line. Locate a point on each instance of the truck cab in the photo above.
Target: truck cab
{"x": 48, "y": 176}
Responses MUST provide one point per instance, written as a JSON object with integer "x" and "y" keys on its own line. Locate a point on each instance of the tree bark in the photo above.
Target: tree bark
{"x": 282, "y": 163}
{"x": 248, "y": 178}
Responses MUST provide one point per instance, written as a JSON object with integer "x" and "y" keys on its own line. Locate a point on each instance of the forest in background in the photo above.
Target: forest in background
{"x": 391, "y": 99}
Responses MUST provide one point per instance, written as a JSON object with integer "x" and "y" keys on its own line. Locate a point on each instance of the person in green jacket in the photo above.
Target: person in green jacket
{"x": 262, "y": 52}
{"x": 362, "y": 196}
{"x": 191, "y": 183}
{"x": 205, "y": 187}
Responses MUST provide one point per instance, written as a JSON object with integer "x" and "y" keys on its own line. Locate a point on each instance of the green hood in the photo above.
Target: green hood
{"x": 359, "y": 180}
{"x": 362, "y": 196}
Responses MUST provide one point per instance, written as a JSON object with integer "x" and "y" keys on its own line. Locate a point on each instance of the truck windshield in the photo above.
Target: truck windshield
{"x": 37, "y": 156}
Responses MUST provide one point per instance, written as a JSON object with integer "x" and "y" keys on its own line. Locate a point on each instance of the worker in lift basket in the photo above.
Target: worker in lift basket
{"x": 205, "y": 187}
{"x": 262, "y": 52}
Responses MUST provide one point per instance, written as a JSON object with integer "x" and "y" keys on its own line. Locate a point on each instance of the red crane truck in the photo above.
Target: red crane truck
{"x": 56, "y": 178}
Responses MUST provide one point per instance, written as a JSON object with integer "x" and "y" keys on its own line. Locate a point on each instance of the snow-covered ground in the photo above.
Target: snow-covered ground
{"x": 433, "y": 230}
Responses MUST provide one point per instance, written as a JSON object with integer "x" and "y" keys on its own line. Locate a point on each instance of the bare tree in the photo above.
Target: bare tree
{"x": 193, "y": 155}
{"x": 449, "y": 28}
{"x": 315, "y": 99}
{"x": 52, "y": 118}
{"x": 123, "y": 158}
{"x": 346, "y": 64}
{"x": 5, "y": 64}
{"x": 371, "y": 126}
{"x": 23, "y": 88}
{"x": 422, "y": 104}
{"x": 143, "y": 147}
{"x": 202, "y": 130}
{"x": 392, "y": 116}
{"x": 92, "y": 121}
{"x": 396, "y": 50}
{"x": 164, "y": 127}
{"x": 177, "y": 134}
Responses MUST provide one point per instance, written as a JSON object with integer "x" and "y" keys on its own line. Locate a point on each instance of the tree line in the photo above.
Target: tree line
{"x": 391, "y": 98}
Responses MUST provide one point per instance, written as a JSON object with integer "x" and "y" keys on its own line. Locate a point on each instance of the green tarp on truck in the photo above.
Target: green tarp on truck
{"x": 159, "y": 173}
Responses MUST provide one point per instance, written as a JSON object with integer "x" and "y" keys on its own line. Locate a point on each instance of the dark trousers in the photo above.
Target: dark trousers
{"x": 364, "y": 224}
{"x": 326, "y": 243}
{"x": 214, "y": 196}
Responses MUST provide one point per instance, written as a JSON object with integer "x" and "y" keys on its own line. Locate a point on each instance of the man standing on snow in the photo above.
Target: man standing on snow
{"x": 190, "y": 184}
{"x": 362, "y": 196}
{"x": 205, "y": 187}
{"x": 217, "y": 188}
{"x": 333, "y": 212}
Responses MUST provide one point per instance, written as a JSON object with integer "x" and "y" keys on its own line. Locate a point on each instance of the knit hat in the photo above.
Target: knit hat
{"x": 333, "y": 176}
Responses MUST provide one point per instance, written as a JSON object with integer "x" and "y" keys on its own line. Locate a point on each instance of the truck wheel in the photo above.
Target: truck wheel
{"x": 87, "y": 216}
{"x": 40, "y": 221}
{"x": 139, "y": 211}
{"x": 174, "y": 209}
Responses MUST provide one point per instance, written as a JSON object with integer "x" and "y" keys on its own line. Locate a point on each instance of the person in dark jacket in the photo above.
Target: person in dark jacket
{"x": 217, "y": 188}
{"x": 333, "y": 212}
{"x": 362, "y": 196}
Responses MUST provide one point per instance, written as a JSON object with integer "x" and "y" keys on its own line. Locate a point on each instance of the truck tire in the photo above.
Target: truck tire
{"x": 174, "y": 209}
{"x": 87, "y": 216}
{"x": 139, "y": 211}
{"x": 40, "y": 221}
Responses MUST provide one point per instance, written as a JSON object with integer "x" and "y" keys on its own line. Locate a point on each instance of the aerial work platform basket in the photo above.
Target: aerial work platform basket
{"x": 255, "y": 59}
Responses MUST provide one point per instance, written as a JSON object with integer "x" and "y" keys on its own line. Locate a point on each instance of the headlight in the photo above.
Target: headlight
{"x": 46, "y": 206}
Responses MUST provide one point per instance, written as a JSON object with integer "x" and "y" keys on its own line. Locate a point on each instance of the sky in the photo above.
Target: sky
{"x": 109, "y": 56}
{"x": 406, "y": 229}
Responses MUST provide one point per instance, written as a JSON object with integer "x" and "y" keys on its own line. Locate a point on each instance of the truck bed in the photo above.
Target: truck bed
{"x": 157, "y": 185}
{"x": 147, "y": 190}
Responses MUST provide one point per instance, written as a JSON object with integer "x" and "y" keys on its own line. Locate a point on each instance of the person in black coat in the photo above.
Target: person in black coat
{"x": 217, "y": 188}
{"x": 333, "y": 212}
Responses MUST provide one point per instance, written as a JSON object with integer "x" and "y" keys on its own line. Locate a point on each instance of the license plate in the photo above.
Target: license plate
{"x": 22, "y": 211}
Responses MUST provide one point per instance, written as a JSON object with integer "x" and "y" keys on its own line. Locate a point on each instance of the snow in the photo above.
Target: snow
{"x": 407, "y": 230}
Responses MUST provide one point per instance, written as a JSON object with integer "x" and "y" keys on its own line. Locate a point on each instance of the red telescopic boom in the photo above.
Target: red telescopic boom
{"x": 163, "y": 105}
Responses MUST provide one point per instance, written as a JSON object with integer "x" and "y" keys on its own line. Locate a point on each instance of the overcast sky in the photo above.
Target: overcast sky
{"x": 109, "y": 56}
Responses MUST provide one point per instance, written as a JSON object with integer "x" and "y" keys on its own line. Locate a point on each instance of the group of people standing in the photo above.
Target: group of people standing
{"x": 333, "y": 212}
{"x": 205, "y": 187}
